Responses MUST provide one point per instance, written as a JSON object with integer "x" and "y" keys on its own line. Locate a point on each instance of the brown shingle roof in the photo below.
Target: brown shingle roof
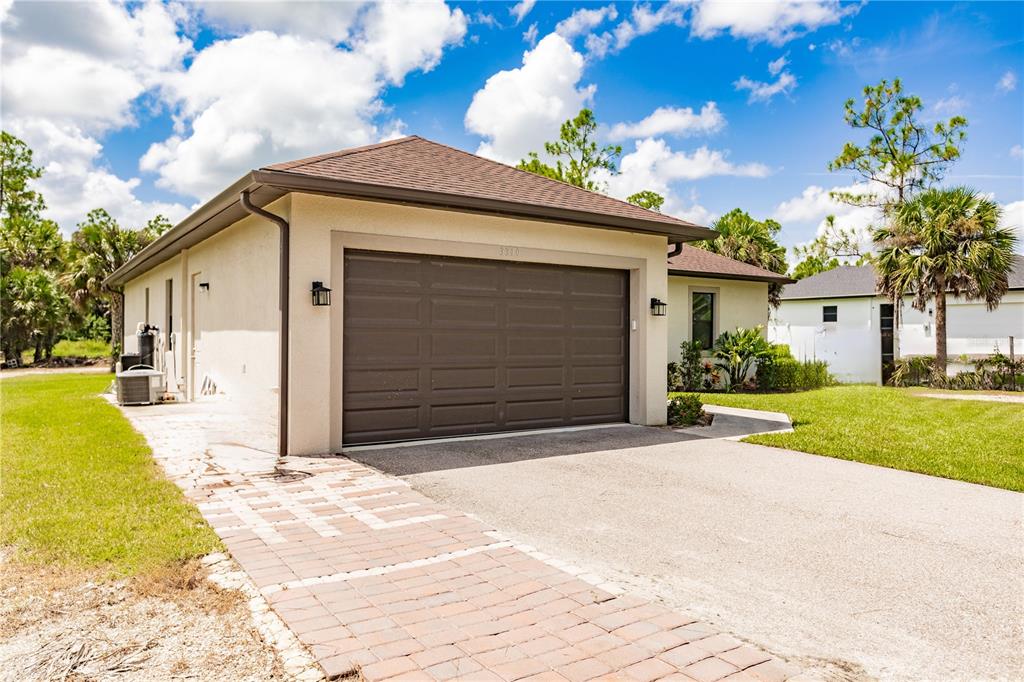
{"x": 413, "y": 163}
{"x": 700, "y": 263}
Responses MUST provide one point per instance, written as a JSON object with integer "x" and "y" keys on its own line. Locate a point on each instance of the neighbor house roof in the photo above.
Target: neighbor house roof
{"x": 849, "y": 281}
{"x": 698, "y": 262}
{"x": 412, "y": 170}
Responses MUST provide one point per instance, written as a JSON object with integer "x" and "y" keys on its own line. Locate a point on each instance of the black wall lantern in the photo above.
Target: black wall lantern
{"x": 658, "y": 307}
{"x": 321, "y": 294}
{"x": 204, "y": 286}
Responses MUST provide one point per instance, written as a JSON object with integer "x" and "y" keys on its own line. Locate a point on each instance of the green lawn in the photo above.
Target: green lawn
{"x": 85, "y": 348}
{"x": 979, "y": 442}
{"x": 78, "y": 485}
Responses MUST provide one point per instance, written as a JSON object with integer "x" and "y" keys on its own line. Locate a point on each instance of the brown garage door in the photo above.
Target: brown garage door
{"x": 437, "y": 346}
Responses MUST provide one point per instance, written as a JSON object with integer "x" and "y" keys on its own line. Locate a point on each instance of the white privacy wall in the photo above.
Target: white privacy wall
{"x": 971, "y": 329}
{"x": 851, "y": 346}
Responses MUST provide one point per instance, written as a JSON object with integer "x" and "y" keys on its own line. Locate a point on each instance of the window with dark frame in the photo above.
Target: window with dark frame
{"x": 830, "y": 313}
{"x": 703, "y": 322}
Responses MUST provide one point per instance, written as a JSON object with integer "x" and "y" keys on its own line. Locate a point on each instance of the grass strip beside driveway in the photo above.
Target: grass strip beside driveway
{"x": 978, "y": 442}
{"x": 79, "y": 487}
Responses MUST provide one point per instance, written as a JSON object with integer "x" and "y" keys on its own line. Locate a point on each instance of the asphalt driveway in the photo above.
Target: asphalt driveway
{"x": 856, "y": 570}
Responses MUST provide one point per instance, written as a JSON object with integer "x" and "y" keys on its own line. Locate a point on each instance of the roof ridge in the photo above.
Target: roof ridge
{"x": 348, "y": 151}
{"x": 560, "y": 182}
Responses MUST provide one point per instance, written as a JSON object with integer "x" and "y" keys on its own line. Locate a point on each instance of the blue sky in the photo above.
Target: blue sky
{"x": 180, "y": 99}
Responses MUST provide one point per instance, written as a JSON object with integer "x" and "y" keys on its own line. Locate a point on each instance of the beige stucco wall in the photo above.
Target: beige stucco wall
{"x": 322, "y": 227}
{"x": 737, "y": 304}
{"x": 233, "y": 327}
{"x": 237, "y": 319}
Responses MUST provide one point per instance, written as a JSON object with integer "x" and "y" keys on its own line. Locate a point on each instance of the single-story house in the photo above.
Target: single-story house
{"x": 709, "y": 294}
{"x": 839, "y": 316}
{"x": 408, "y": 290}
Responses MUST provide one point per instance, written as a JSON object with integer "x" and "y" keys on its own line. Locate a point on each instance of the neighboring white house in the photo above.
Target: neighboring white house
{"x": 839, "y": 317}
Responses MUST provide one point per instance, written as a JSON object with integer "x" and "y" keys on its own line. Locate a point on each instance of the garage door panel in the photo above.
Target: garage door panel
{"x": 534, "y": 413}
{"x": 609, "y": 375}
{"x": 610, "y": 348}
{"x": 461, "y": 378}
{"x": 453, "y": 276}
{"x": 534, "y": 315}
{"x": 606, "y": 318}
{"x": 538, "y": 281}
{"x": 389, "y": 310}
{"x": 386, "y": 381}
{"x": 535, "y": 377}
{"x": 597, "y": 283}
{"x": 468, "y": 346}
{"x": 374, "y": 270}
{"x": 598, "y": 407}
{"x": 534, "y": 348}
{"x": 382, "y": 420}
{"x": 478, "y": 346}
{"x": 374, "y": 346}
{"x": 472, "y": 416}
{"x": 464, "y": 312}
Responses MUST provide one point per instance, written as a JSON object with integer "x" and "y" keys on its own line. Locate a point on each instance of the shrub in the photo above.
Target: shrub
{"x": 739, "y": 351}
{"x": 912, "y": 371}
{"x": 685, "y": 409}
{"x": 674, "y": 380}
{"x": 780, "y": 371}
{"x": 691, "y": 369}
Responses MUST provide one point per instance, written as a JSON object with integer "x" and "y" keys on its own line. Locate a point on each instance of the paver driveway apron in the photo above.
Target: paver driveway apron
{"x": 372, "y": 575}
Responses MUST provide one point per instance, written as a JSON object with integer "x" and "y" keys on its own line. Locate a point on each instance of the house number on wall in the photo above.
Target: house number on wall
{"x": 508, "y": 251}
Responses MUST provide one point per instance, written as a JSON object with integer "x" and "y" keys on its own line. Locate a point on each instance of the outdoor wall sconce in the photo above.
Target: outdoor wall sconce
{"x": 321, "y": 294}
{"x": 658, "y": 307}
{"x": 204, "y": 286}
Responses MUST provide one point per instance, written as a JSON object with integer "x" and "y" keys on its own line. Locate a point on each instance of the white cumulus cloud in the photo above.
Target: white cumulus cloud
{"x": 311, "y": 95}
{"x": 761, "y": 91}
{"x": 774, "y": 21}
{"x": 74, "y": 75}
{"x": 680, "y": 121}
{"x": 1013, "y": 217}
{"x": 584, "y": 20}
{"x": 517, "y": 110}
{"x": 641, "y": 21}
{"x": 332, "y": 21}
{"x": 1017, "y": 152}
{"x": 655, "y": 166}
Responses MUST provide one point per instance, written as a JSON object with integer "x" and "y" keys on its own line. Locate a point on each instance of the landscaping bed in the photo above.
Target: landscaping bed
{"x": 974, "y": 441}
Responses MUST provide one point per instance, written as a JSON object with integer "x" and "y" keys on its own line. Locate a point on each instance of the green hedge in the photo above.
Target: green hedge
{"x": 782, "y": 372}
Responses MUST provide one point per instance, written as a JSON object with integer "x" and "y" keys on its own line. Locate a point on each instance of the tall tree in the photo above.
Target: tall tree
{"x": 902, "y": 153}
{"x": 17, "y": 198}
{"x": 98, "y": 247}
{"x": 647, "y": 199}
{"x": 745, "y": 239}
{"x": 33, "y": 309}
{"x": 944, "y": 242}
{"x": 578, "y": 156}
{"x": 835, "y": 246}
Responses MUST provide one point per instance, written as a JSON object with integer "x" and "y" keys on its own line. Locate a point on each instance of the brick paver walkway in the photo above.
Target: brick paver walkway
{"x": 375, "y": 577}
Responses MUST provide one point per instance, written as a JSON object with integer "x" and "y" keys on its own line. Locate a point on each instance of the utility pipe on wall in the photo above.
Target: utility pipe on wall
{"x": 285, "y": 274}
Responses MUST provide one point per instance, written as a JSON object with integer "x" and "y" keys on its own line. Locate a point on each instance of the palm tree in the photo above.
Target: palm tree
{"x": 97, "y": 248}
{"x": 944, "y": 241}
{"x": 742, "y": 238}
